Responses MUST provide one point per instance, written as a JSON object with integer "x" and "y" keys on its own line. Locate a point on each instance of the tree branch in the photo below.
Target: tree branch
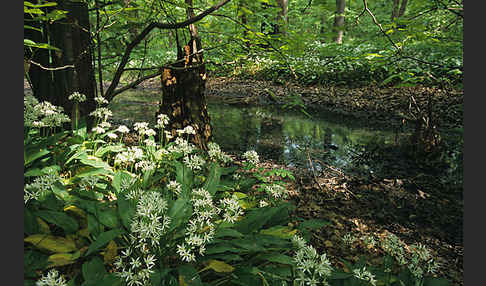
{"x": 109, "y": 94}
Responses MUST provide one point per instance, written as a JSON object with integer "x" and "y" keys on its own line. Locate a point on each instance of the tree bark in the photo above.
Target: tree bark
{"x": 339, "y": 21}
{"x": 282, "y": 18}
{"x": 72, "y": 36}
{"x": 183, "y": 87}
{"x": 402, "y": 8}
{"x": 398, "y": 9}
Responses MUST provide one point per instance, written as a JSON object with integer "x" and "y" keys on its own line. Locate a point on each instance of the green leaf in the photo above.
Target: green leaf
{"x": 179, "y": 212}
{"x": 213, "y": 179}
{"x": 34, "y": 153}
{"x": 126, "y": 210}
{"x": 51, "y": 243}
{"x": 47, "y": 4}
{"x": 228, "y": 232}
{"x": 30, "y": 43}
{"x": 220, "y": 266}
{"x": 34, "y": 260}
{"x": 279, "y": 231}
{"x": 93, "y": 270}
{"x": 432, "y": 281}
{"x": 188, "y": 276}
{"x": 103, "y": 239}
{"x": 109, "y": 217}
{"x": 60, "y": 219}
{"x": 31, "y": 225}
{"x": 110, "y": 148}
{"x": 184, "y": 176}
{"x": 278, "y": 258}
{"x": 95, "y": 162}
{"x": 119, "y": 178}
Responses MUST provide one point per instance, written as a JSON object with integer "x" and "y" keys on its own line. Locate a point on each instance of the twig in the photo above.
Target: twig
{"x": 313, "y": 172}
{"x": 50, "y": 69}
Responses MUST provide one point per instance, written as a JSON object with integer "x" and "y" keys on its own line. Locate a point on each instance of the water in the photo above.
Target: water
{"x": 287, "y": 136}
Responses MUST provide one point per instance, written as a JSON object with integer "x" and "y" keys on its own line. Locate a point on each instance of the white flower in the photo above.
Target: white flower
{"x": 98, "y": 130}
{"x": 162, "y": 120}
{"x": 100, "y": 100}
{"x": 123, "y": 129}
{"x": 112, "y": 135}
{"x": 140, "y": 126}
{"x": 232, "y": 209}
{"x": 52, "y": 279}
{"x": 215, "y": 153}
{"x": 263, "y": 203}
{"x": 149, "y": 142}
{"x": 78, "y": 97}
{"x": 194, "y": 162}
{"x": 276, "y": 191}
{"x": 175, "y": 187}
{"x": 365, "y": 275}
{"x": 252, "y": 157}
{"x": 102, "y": 113}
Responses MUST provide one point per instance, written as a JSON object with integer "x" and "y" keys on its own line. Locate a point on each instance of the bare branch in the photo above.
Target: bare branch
{"x": 50, "y": 69}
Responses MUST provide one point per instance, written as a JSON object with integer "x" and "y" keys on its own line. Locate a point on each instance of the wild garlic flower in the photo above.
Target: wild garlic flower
{"x": 395, "y": 248}
{"x": 181, "y": 145}
{"x": 98, "y": 129}
{"x": 365, "y": 275}
{"x": 175, "y": 187}
{"x": 122, "y": 129}
{"x": 311, "y": 267}
{"x": 200, "y": 228}
{"x": 53, "y": 278}
{"x": 421, "y": 261}
{"x": 102, "y": 113}
{"x": 43, "y": 114}
{"x": 162, "y": 121}
{"x": 135, "y": 267}
{"x": 140, "y": 126}
{"x": 263, "y": 204}
{"x": 215, "y": 153}
{"x": 112, "y": 135}
{"x": 252, "y": 157}
{"x": 276, "y": 191}
{"x": 40, "y": 187}
{"x": 150, "y": 221}
{"x": 78, "y": 97}
{"x": 232, "y": 209}
{"x": 168, "y": 135}
{"x": 100, "y": 100}
{"x": 194, "y": 162}
{"x": 149, "y": 142}
{"x": 348, "y": 239}
{"x": 88, "y": 182}
{"x": 145, "y": 165}
{"x": 187, "y": 130}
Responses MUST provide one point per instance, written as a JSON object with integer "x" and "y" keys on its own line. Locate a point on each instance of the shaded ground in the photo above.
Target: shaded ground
{"x": 413, "y": 195}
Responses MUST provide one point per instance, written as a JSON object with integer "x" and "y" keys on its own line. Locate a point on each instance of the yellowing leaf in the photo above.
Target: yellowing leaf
{"x": 60, "y": 259}
{"x": 220, "y": 266}
{"x": 84, "y": 232}
{"x": 280, "y": 231}
{"x": 51, "y": 243}
{"x": 44, "y": 227}
{"x": 110, "y": 252}
{"x": 75, "y": 210}
{"x": 181, "y": 281}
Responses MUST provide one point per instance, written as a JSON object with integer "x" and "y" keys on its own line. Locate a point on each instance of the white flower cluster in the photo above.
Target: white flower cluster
{"x": 194, "y": 162}
{"x": 42, "y": 114}
{"x": 122, "y": 129}
{"x": 252, "y": 157}
{"x": 200, "y": 229}
{"x": 77, "y": 96}
{"x": 130, "y": 156}
{"x": 53, "y": 278}
{"x": 162, "y": 121}
{"x": 135, "y": 268}
{"x": 365, "y": 275}
{"x": 417, "y": 257}
{"x": 313, "y": 269}
{"x": 276, "y": 191}
{"x": 143, "y": 129}
{"x": 215, "y": 153}
{"x": 421, "y": 261}
{"x": 100, "y": 100}
{"x": 175, "y": 187}
{"x": 39, "y": 187}
{"x": 148, "y": 225}
{"x": 232, "y": 209}
{"x": 348, "y": 239}
{"x": 263, "y": 204}
{"x": 187, "y": 130}
{"x": 88, "y": 182}
{"x": 151, "y": 220}
{"x": 145, "y": 165}
{"x": 181, "y": 146}
{"x": 102, "y": 113}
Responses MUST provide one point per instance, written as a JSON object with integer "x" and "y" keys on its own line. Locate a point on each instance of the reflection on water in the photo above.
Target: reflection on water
{"x": 288, "y": 137}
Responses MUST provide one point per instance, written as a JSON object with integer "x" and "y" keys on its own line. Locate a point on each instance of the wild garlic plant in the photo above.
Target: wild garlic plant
{"x": 43, "y": 116}
{"x": 312, "y": 269}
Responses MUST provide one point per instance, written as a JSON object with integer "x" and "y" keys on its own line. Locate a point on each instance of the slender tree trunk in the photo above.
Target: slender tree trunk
{"x": 339, "y": 21}
{"x": 282, "y": 18}
{"x": 396, "y": 6}
{"x": 183, "y": 87}
{"x": 402, "y": 8}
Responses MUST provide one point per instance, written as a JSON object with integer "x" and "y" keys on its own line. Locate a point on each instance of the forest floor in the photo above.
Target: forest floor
{"x": 407, "y": 200}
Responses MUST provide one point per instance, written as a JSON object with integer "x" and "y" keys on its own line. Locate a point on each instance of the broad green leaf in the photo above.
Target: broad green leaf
{"x": 47, "y": 4}
{"x": 118, "y": 180}
{"x": 220, "y": 266}
{"x": 34, "y": 260}
{"x": 280, "y": 231}
{"x": 93, "y": 270}
{"x": 227, "y": 232}
{"x": 51, "y": 243}
{"x": 179, "y": 212}
{"x": 212, "y": 181}
{"x": 60, "y": 259}
{"x": 110, "y": 252}
{"x": 60, "y": 219}
{"x": 432, "y": 281}
{"x": 126, "y": 210}
{"x": 109, "y": 217}
{"x": 103, "y": 239}
{"x": 278, "y": 258}
{"x": 31, "y": 226}
{"x": 188, "y": 276}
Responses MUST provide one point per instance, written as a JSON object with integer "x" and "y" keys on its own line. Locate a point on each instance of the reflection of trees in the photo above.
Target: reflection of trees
{"x": 271, "y": 141}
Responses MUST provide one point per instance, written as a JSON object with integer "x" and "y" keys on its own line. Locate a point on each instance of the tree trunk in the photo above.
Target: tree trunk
{"x": 396, "y": 5}
{"x": 183, "y": 87}
{"x": 398, "y": 9}
{"x": 402, "y": 8}
{"x": 339, "y": 21}
{"x": 72, "y": 36}
{"x": 282, "y": 18}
